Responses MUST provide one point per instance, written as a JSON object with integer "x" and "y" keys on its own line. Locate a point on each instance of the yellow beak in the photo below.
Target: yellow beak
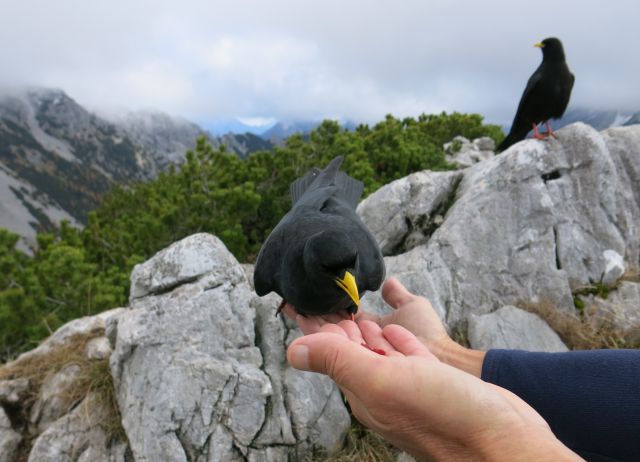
{"x": 348, "y": 284}
{"x": 539, "y": 45}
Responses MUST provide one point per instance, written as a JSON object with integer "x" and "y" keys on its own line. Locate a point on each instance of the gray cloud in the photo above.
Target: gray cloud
{"x": 311, "y": 59}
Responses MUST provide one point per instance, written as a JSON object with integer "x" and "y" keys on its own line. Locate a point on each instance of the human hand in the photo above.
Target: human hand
{"x": 421, "y": 405}
{"x": 412, "y": 312}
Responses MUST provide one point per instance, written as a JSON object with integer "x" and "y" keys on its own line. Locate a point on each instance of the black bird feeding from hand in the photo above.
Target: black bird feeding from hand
{"x": 321, "y": 258}
{"x": 546, "y": 95}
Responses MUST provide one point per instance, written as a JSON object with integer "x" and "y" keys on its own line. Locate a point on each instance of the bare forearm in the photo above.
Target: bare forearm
{"x": 465, "y": 359}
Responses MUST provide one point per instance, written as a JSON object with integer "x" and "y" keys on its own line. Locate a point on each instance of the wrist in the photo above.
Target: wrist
{"x": 454, "y": 354}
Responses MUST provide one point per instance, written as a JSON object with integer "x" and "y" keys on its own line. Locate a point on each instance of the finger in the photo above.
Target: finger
{"x": 307, "y": 324}
{"x": 289, "y": 311}
{"x": 333, "y": 329}
{"x": 362, "y": 315}
{"x": 346, "y": 362}
{"x": 395, "y": 294}
{"x": 335, "y": 318}
{"x": 372, "y": 334}
{"x": 352, "y": 330}
{"x": 405, "y": 342}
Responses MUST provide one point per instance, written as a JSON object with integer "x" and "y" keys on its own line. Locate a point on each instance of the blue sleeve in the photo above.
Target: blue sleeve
{"x": 591, "y": 399}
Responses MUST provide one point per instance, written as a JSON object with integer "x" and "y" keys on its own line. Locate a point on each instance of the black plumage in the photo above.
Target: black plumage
{"x": 321, "y": 257}
{"x": 546, "y": 95}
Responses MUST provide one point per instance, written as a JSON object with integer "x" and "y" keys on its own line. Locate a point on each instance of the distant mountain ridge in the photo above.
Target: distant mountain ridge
{"x": 283, "y": 130}
{"x": 57, "y": 159}
{"x": 598, "y": 119}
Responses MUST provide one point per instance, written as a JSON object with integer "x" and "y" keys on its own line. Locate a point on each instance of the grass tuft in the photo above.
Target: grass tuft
{"x": 362, "y": 445}
{"x": 586, "y": 329}
{"x": 92, "y": 388}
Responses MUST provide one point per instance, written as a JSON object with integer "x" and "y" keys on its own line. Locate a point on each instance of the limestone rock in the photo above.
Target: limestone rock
{"x": 9, "y": 439}
{"x": 182, "y": 262}
{"x": 527, "y": 225}
{"x": 464, "y": 153}
{"x": 404, "y": 214}
{"x": 52, "y": 403}
{"x": 186, "y": 358}
{"x": 511, "y": 327}
{"x": 614, "y": 267}
{"x": 98, "y": 348}
{"x": 79, "y": 436}
{"x": 13, "y": 391}
{"x": 80, "y": 326}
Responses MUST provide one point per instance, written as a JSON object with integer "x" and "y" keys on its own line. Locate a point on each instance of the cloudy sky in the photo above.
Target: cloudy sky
{"x": 308, "y": 59}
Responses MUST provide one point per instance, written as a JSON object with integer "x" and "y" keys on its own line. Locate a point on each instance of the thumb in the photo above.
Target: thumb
{"x": 345, "y": 361}
{"x": 396, "y": 294}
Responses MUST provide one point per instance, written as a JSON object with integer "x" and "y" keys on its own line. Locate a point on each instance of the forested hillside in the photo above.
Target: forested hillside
{"x": 79, "y": 272}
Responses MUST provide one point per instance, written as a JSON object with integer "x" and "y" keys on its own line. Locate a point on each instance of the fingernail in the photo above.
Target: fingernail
{"x": 299, "y": 357}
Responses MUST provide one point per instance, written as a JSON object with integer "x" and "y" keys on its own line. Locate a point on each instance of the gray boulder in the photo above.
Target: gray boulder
{"x": 52, "y": 403}
{"x": 187, "y": 359}
{"x": 79, "y": 437}
{"x": 527, "y": 225}
{"x": 199, "y": 368}
{"x": 9, "y": 439}
{"x": 405, "y": 213}
{"x": 464, "y": 153}
{"x": 614, "y": 267}
{"x": 513, "y": 328}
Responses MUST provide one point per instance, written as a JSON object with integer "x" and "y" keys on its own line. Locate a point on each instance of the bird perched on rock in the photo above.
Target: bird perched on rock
{"x": 321, "y": 258}
{"x": 546, "y": 95}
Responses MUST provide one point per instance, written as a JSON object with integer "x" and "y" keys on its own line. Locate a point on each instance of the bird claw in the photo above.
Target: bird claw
{"x": 281, "y": 307}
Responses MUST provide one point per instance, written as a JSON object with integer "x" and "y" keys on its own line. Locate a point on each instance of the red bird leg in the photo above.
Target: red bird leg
{"x": 280, "y": 307}
{"x": 550, "y": 131}
{"x": 536, "y": 134}
{"x": 375, "y": 350}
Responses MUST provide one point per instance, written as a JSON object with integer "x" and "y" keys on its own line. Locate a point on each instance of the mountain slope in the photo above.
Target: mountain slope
{"x": 57, "y": 159}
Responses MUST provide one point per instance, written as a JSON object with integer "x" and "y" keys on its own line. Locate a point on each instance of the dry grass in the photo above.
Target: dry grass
{"x": 93, "y": 379}
{"x": 362, "y": 445}
{"x": 631, "y": 275}
{"x": 587, "y": 329}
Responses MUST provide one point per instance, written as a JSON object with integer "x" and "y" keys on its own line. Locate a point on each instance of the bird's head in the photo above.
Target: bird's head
{"x": 551, "y": 49}
{"x": 331, "y": 257}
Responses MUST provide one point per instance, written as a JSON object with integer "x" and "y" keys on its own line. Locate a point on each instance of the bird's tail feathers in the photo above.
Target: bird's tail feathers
{"x": 349, "y": 188}
{"x": 299, "y": 186}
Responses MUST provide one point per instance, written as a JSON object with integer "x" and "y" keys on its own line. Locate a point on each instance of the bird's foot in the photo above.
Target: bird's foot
{"x": 536, "y": 134}
{"x": 281, "y": 307}
{"x": 549, "y": 132}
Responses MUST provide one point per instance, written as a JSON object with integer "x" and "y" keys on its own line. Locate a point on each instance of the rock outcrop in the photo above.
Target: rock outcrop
{"x": 203, "y": 359}
{"x": 511, "y": 327}
{"x": 196, "y": 363}
{"x": 529, "y": 225}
